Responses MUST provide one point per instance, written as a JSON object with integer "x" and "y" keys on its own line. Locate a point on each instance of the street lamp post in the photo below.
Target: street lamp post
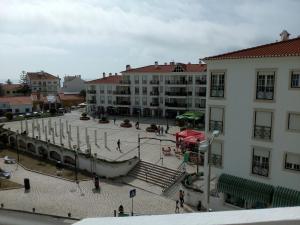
{"x": 205, "y": 146}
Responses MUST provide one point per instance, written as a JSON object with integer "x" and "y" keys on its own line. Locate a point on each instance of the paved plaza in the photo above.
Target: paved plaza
{"x": 150, "y": 149}
{"x": 59, "y": 197}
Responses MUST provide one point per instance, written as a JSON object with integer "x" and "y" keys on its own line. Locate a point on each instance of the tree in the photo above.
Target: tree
{"x": 24, "y": 89}
{"x": 8, "y": 81}
{"x": 1, "y": 90}
{"x": 83, "y": 93}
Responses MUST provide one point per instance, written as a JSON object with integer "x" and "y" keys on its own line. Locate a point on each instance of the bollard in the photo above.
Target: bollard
{"x": 33, "y": 210}
{"x": 2, "y": 205}
{"x": 69, "y": 214}
{"x": 115, "y": 213}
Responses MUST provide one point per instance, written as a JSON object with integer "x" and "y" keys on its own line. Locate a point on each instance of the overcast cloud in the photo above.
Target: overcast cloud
{"x": 89, "y": 37}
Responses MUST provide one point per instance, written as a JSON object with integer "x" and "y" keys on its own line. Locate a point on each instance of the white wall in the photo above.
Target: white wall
{"x": 239, "y": 105}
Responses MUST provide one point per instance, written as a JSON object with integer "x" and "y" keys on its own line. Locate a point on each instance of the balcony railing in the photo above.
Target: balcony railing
{"x": 186, "y": 93}
{"x": 125, "y": 82}
{"x": 177, "y": 82}
{"x": 262, "y": 132}
{"x": 136, "y": 81}
{"x": 201, "y": 94}
{"x": 154, "y": 104}
{"x": 92, "y": 101}
{"x": 215, "y": 125}
{"x": 174, "y": 104}
{"x": 154, "y": 82}
{"x": 265, "y": 95}
{"x": 154, "y": 93}
{"x": 91, "y": 91}
{"x": 122, "y": 92}
{"x": 261, "y": 169}
{"x": 217, "y": 91}
{"x": 144, "y": 82}
{"x": 215, "y": 160}
{"x": 201, "y": 82}
{"x": 102, "y": 92}
{"x": 123, "y": 103}
{"x": 199, "y": 105}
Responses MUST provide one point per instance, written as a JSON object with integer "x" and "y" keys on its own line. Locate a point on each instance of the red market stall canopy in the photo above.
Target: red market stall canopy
{"x": 189, "y": 133}
{"x": 194, "y": 139}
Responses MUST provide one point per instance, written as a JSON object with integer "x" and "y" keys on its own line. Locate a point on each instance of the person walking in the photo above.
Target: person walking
{"x": 177, "y": 206}
{"x": 158, "y": 130}
{"x": 181, "y": 198}
{"x": 162, "y": 130}
{"x": 167, "y": 130}
{"x": 114, "y": 120}
{"x": 119, "y": 145}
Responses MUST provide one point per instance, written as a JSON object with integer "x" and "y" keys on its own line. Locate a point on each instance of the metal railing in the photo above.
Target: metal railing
{"x": 261, "y": 169}
{"x": 262, "y": 132}
{"x": 91, "y": 91}
{"x": 215, "y": 125}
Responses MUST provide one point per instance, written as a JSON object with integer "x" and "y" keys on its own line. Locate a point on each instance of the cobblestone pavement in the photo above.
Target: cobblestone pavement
{"x": 56, "y": 196}
{"x": 150, "y": 149}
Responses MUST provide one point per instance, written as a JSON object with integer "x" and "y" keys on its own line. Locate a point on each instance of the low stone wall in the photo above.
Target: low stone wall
{"x": 192, "y": 195}
{"x": 85, "y": 162}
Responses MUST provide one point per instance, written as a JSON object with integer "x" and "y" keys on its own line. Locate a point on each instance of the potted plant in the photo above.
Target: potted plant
{"x": 84, "y": 117}
{"x": 103, "y": 120}
{"x": 152, "y": 128}
{"x": 126, "y": 123}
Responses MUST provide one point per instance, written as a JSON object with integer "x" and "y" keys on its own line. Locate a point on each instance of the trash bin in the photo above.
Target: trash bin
{"x": 26, "y": 183}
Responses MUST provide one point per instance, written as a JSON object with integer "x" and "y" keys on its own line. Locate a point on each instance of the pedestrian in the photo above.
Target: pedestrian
{"x": 162, "y": 130}
{"x": 167, "y": 130}
{"x": 119, "y": 145}
{"x": 177, "y": 206}
{"x": 181, "y": 198}
{"x": 114, "y": 120}
{"x": 158, "y": 129}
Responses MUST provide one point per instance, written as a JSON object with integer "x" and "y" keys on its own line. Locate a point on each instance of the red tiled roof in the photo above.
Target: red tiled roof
{"x": 22, "y": 100}
{"x": 41, "y": 76}
{"x": 9, "y": 87}
{"x": 113, "y": 79}
{"x": 289, "y": 47}
{"x": 72, "y": 97}
{"x": 167, "y": 68}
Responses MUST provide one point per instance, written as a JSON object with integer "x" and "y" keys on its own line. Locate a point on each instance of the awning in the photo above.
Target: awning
{"x": 248, "y": 190}
{"x": 190, "y": 116}
{"x": 284, "y": 197}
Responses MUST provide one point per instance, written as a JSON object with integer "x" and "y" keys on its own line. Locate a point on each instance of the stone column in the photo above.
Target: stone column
{"x": 39, "y": 130}
{"x": 95, "y": 132}
{"x": 43, "y": 125}
{"x": 55, "y": 128}
{"x": 86, "y": 135}
{"x": 105, "y": 139}
{"x": 53, "y": 136}
{"x": 49, "y": 126}
{"x": 78, "y": 141}
{"x": 32, "y": 127}
{"x": 46, "y": 133}
{"x": 69, "y": 140}
{"x": 70, "y": 131}
{"x": 21, "y": 126}
{"x": 26, "y": 126}
{"x": 60, "y": 132}
{"x": 67, "y": 126}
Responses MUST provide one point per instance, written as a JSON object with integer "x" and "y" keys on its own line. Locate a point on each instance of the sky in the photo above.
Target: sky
{"x": 89, "y": 37}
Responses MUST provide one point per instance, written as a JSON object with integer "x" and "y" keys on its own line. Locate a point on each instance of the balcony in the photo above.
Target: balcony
{"x": 121, "y": 92}
{"x": 201, "y": 94}
{"x": 215, "y": 125}
{"x": 93, "y": 101}
{"x": 125, "y": 82}
{"x": 91, "y": 91}
{"x": 176, "y": 105}
{"x": 201, "y": 82}
{"x": 199, "y": 105}
{"x": 262, "y": 132}
{"x": 176, "y": 82}
{"x": 154, "y": 82}
{"x": 154, "y": 93}
{"x": 101, "y": 91}
{"x": 136, "y": 81}
{"x": 261, "y": 169}
{"x": 217, "y": 91}
{"x": 172, "y": 93}
{"x": 123, "y": 103}
{"x": 154, "y": 104}
{"x": 265, "y": 95}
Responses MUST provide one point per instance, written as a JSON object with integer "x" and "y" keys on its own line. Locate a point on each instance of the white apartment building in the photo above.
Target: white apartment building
{"x": 253, "y": 98}
{"x": 43, "y": 82}
{"x": 73, "y": 84}
{"x": 155, "y": 90}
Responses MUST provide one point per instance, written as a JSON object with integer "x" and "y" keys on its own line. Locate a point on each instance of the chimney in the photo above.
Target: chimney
{"x": 284, "y": 35}
{"x": 103, "y": 74}
{"x": 200, "y": 61}
{"x": 165, "y": 63}
{"x": 110, "y": 74}
{"x": 116, "y": 74}
{"x": 172, "y": 63}
{"x": 156, "y": 64}
{"x": 128, "y": 67}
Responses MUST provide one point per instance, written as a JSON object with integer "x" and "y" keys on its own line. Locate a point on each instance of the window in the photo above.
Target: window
{"x": 136, "y": 79}
{"x": 137, "y": 90}
{"x": 102, "y": 100}
{"x": 144, "y": 79}
{"x": 109, "y": 99}
{"x": 295, "y": 79}
{"x": 137, "y": 101}
{"x": 263, "y": 125}
{"x": 216, "y": 150}
{"x": 294, "y": 122}
{"x": 216, "y": 117}
{"x": 292, "y": 161}
{"x": 265, "y": 82}
{"x": 144, "y": 101}
{"x": 260, "y": 161}
{"x": 217, "y": 84}
{"x": 144, "y": 90}
{"x": 17, "y": 110}
{"x": 27, "y": 110}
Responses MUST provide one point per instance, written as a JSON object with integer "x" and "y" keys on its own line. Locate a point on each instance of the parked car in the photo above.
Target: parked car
{"x": 27, "y": 115}
{"x": 8, "y": 160}
{"x": 36, "y": 114}
{"x": 5, "y": 174}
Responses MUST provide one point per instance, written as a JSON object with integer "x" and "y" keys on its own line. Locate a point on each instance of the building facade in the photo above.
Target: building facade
{"x": 11, "y": 90}
{"x": 15, "y": 105}
{"x": 43, "y": 82}
{"x": 73, "y": 84}
{"x": 155, "y": 90}
{"x": 254, "y": 101}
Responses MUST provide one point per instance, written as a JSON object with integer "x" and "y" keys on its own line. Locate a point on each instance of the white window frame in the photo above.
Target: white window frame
{"x": 288, "y": 121}
{"x": 260, "y": 166}
{"x": 295, "y": 167}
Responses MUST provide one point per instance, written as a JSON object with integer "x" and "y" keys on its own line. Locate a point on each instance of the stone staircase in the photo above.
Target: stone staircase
{"x": 155, "y": 174}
